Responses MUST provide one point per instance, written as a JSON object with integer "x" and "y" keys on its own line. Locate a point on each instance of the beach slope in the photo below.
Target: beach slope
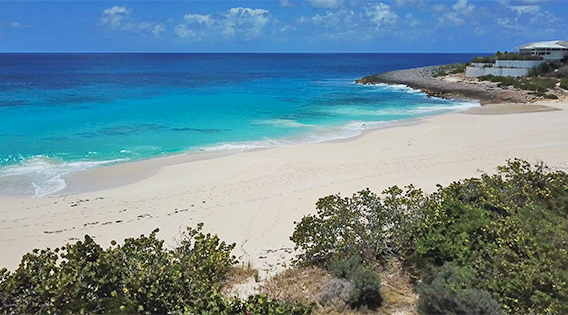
{"x": 253, "y": 198}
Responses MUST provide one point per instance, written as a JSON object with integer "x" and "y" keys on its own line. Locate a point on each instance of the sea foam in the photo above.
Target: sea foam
{"x": 46, "y": 173}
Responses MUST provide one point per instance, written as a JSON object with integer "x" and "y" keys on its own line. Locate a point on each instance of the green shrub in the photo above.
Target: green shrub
{"x": 516, "y": 56}
{"x": 562, "y": 72}
{"x": 141, "y": 276}
{"x": 484, "y": 59}
{"x": 335, "y": 289}
{"x": 541, "y": 69}
{"x": 538, "y": 86}
{"x": 366, "y": 289}
{"x": 504, "y": 56}
{"x": 510, "y": 229}
{"x": 262, "y": 304}
{"x": 451, "y": 291}
{"x": 564, "y": 84}
{"x": 364, "y": 226}
{"x": 444, "y": 70}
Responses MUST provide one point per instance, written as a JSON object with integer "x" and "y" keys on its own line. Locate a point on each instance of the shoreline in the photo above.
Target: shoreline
{"x": 132, "y": 172}
{"x": 115, "y": 176}
{"x": 253, "y": 198}
{"x": 451, "y": 86}
{"x": 127, "y": 172}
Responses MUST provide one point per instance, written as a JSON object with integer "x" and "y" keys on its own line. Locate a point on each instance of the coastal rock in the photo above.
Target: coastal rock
{"x": 423, "y": 79}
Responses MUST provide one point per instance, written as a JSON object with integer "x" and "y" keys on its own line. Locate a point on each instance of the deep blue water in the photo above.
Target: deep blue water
{"x": 60, "y": 113}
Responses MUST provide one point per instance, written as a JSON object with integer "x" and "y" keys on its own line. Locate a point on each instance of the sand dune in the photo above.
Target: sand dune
{"x": 253, "y": 198}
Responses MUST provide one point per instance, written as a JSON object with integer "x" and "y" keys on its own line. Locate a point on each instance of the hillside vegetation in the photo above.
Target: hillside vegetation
{"x": 139, "y": 277}
{"x": 497, "y": 244}
{"x": 485, "y": 245}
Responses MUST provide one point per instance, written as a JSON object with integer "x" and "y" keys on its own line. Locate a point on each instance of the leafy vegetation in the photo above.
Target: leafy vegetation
{"x": 564, "y": 84}
{"x": 504, "y": 56}
{"x": 538, "y": 86}
{"x": 139, "y": 277}
{"x": 366, "y": 289}
{"x": 515, "y": 56}
{"x": 453, "y": 68}
{"x": 484, "y": 59}
{"x": 450, "y": 291}
{"x": 555, "y": 69}
{"x": 509, "y": 229}
{"x": 488, "y": 245}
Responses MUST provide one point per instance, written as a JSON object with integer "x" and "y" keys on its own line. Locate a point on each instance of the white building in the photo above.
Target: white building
{"x": 549, "y": 50}
{"x": 502, "y": 68}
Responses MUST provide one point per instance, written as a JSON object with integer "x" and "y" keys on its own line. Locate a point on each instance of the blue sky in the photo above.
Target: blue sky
{"x": 279, "y": 26}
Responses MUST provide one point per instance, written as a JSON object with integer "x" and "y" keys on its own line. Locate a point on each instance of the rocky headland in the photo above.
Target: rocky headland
{"x": 454, "y": 86}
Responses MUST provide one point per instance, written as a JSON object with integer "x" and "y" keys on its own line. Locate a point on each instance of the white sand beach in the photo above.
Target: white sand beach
{"x": 253, "y": 198}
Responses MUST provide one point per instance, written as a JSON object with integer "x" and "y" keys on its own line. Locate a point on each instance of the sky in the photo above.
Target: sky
{"x": 322, "y": 26}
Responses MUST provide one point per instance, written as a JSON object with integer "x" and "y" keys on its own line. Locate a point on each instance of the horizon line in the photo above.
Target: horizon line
{"x": 236, "y": 52}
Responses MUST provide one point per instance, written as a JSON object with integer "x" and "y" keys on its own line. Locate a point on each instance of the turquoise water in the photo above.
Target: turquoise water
{"x": 64, "y": 113}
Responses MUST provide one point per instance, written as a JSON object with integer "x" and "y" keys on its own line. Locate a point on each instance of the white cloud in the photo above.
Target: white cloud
{"x": 522, "y": 9}
{"x": 463, "y": 7}
{"x": 507, "y": 23}
{"x": 453, "y": 18}
{"x": 327, "y": 20}
{"x": 198, "y": 18}
{"x": 118, "y": 18}
{"x": 411, "y": 21}
{"x": 286, "y": 4}
{"x": 15, "y": 25}
{"x": 114, "y": 17}
{"x": 302, "y": 20}
{"x": 158, "y": 29}
{"x": 329, "y": 4}
{"x": 531, "y": 19}
{"x": 417, "y": 4}
{"x": 246, "y": 19}
{"x": 480, "y": 31}
{"x": 183, "y": 31}
{"x": 246, "y": 22}
{"x": 439, "y": 8}
{"x": 381, "y": 14}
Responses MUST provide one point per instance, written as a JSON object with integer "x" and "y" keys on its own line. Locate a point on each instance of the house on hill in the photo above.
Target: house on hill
{"x": 518, "y": 65}
{"x": 549, "y": 50}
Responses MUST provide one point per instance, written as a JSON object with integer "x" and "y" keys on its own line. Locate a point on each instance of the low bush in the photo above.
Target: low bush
{"x": 451, "y": 291}
{"x": 363, "y": 226}
{"x": 534, "y": 84}
{"x": 504, "y": 56}
{"x": 139, "y": 277}
{"x": 335, "y": 289}
{"x": 453, "y": 68}
{"x": 564, "y": 84}
{"x": 541, "y": 69}
{"x": 510, "y": 229}
{"x": 561, "y": 73}
{"x": 484, "y": 59}
{"x": 366, "y": 289}
{"x": 515, "y": 56}
{"x": 262, "y": 304}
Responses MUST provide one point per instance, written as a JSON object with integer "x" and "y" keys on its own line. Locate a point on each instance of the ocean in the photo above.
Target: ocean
{"x": 63, "y": 113}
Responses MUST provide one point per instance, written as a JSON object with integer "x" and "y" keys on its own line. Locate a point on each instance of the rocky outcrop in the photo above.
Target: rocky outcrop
{"x": 423, "y": 79}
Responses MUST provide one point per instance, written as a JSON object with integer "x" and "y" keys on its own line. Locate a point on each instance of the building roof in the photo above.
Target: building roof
{"x": 546, "y": 44}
